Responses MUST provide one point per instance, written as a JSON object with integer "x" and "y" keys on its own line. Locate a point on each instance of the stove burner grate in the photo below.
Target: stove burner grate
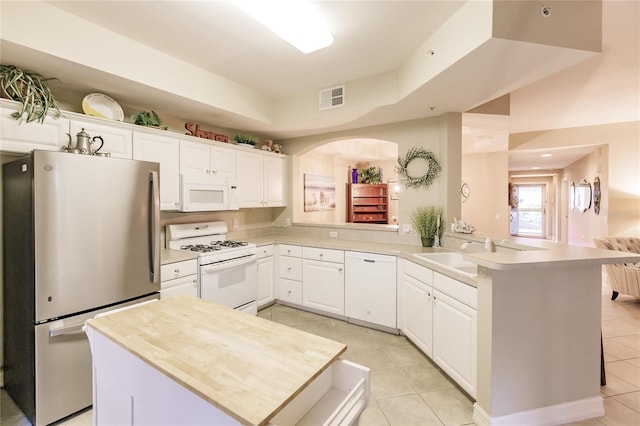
{"x": 229, "y": 243}
{"x": 201, "y": 248}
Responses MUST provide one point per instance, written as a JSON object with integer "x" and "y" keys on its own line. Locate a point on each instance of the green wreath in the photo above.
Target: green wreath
{"x": 433, "y": 170}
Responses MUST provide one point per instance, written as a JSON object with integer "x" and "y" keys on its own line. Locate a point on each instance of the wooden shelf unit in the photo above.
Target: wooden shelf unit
{"x": 367, "y": 203}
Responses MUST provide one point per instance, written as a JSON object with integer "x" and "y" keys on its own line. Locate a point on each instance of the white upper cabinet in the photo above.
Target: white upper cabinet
{"x": 117, "y": 141}
{"x": 165, "y": 151}
{"x": 198, "y": 158}
{"x": 15, "y": 137}
{"x": 261, "y": 180}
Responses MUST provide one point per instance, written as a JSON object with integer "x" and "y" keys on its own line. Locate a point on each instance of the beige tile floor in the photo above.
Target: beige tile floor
{"x": 408, "y": 389}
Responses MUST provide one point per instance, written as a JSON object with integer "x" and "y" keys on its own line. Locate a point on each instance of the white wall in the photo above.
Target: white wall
{"x": 487, "y": 207}
{"x": 340, "y": 169}
{"x": 440, "y": 135}
{"x": 583, "y": 227}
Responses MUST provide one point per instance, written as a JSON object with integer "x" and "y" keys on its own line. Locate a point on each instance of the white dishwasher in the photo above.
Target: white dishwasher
{"x": 370, "y": 288}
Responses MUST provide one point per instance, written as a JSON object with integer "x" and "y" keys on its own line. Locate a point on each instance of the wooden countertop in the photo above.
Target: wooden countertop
{"x": 246, "y": 366}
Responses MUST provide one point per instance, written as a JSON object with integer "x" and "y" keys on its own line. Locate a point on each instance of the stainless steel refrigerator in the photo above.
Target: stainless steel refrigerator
{"x": 81, "y": 235}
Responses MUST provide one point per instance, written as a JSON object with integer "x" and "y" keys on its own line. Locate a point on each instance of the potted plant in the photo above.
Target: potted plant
{"x": 150, "y": 119}
{"x": 370, "y": 175}
{"x": 31, "y": 90}
{"x": 246, "y": 140}
{"x": 428, "y": 222}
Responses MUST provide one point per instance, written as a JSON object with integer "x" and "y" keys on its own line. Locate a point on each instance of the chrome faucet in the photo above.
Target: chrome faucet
{"x": 488, "y": 244}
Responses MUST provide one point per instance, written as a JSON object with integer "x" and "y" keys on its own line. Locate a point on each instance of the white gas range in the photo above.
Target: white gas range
{"x": 227, "y": 270}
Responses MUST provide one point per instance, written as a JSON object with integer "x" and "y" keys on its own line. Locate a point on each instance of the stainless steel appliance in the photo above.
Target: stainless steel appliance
{"x": 227, "y": 270}
{"x": 81, "y": 236}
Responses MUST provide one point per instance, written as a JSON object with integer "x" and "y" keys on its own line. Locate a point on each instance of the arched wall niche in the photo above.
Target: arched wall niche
{"x": 333, "y": 159}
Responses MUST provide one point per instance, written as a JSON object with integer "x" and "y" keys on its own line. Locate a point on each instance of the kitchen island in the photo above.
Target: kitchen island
{"x": 188, "y": 361}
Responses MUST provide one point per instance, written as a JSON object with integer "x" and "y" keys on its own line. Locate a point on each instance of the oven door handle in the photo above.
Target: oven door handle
{"x": 207, "y": 269}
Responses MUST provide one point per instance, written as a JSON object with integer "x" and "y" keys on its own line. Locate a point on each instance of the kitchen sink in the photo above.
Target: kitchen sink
{"x": 452, "y": 261}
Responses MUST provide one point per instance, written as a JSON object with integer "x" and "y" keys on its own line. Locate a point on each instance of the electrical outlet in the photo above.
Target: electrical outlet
{"x": 234, "y": 223}
{"x": 287, "y": 222}
{"x": 406, "y": 228}
{"x": 333, "y": 234}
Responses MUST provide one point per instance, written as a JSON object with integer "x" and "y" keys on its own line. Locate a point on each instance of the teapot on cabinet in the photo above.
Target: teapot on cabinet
{"x": 83, "y": 143}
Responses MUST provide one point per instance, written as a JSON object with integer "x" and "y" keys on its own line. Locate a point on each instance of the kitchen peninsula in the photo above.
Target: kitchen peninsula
{"x": 187, "y": 361}
{"x": 537, "y": 327}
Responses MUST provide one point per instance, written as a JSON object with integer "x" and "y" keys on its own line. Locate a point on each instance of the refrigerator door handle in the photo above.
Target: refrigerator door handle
{"x": 72, "y": 329}
{"x": 154, "y": 227}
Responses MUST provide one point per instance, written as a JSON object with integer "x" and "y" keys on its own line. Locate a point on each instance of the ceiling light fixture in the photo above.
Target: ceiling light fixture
{"x": 545, "y": 155}
{"x": 296, "y": 21}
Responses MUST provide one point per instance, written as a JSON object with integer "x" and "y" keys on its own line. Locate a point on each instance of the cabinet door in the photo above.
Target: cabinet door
{"x": 25, "y": 137}
{"x": 223, "y": 162}
{"x": 415, "y": 313}
{"x": 323, "y": 286}
{"x": 454, "y": 340}
{"x": 265, "y": 281}
{"x": 166, "y": 152}
{"x": 117, "y": 141}
{"x": 195, "y": 158}
{"x": 250, "y": 179}
{"x": 275, "y": 173}
{"x": 370, "y": 288}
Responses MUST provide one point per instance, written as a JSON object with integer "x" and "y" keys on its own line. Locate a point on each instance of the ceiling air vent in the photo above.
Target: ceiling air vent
{"x": 332, "y": 98}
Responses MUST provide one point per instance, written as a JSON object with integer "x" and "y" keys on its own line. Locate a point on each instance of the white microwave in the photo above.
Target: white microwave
{"x": 207, "y": 194}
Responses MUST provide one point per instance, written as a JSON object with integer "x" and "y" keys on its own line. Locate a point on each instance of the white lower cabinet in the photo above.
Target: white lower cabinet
{"x": 266, "y": 288}
{"x": 289, "y": 274}
{"x": 336, "y": 397}
{"x": 415, "y": 292}
{"x": 323, "y": 279}
{"x": 439, "y": 315}
{"x": 370, "y": 288}
{"x": 179, "y": 278}
{"x": 126, "y": 390}
{"x": 290, "y": 291}
{"x": 455, "y": 332}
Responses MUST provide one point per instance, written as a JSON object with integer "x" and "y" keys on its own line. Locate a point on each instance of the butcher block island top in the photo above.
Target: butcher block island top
{"x": 246, "y": 366}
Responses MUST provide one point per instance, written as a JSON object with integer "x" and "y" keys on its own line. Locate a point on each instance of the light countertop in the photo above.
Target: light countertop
{"x": 172, "y": 256}
{"x": 553, "y": 255}
{"x": 246, "y": 366}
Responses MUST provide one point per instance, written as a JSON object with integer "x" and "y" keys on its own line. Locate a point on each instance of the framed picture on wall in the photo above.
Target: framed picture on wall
{"x": 319, "y": 193}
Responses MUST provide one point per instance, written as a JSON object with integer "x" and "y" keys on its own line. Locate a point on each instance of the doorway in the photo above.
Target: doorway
{"x": 528, "y": 216}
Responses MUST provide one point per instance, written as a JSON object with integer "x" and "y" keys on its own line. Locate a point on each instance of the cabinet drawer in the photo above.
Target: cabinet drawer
{"x": 327, "y": 255}
{"x": 189, "y": 279}
{"x": 337, "y": 396}
{"x": 290, "y": 291}
{"x": 265, "y": 251}
{"x": 174, "y": 270}
{"x": 419, "y": 272}
{"x": 188, "y": 288}
{"x": 459, "y": 291}
{"x": 289, "y": 250}
{"x": 290, "y": 268}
